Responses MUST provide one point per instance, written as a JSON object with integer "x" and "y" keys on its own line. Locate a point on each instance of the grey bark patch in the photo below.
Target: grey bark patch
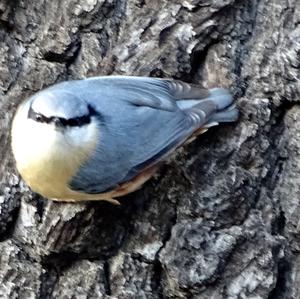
{"x": 221, "y": 218}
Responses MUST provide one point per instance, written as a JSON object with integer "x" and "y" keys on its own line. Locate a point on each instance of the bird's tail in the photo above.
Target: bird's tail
{"x": 215, "y": 108}
{"x": 229, "y": 114}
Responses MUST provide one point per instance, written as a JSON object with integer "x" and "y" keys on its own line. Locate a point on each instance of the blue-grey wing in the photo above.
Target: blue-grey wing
{"x": 139, "y": 122}
{"x": 146, "y": 91}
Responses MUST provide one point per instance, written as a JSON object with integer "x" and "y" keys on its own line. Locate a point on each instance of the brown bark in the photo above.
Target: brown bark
{"x": 221, "y": 219}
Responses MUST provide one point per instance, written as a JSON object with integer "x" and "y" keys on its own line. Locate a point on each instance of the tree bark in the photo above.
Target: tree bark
{"x": 221, "y": 218}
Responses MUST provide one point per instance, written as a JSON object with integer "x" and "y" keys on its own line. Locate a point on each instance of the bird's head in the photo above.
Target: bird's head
{"x": 60, "y": 111}
{"x": 54, "y": 127}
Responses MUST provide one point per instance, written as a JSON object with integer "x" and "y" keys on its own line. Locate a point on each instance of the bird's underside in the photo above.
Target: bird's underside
{"x": 129, "y": 186}
{"x": 121, "y": 190}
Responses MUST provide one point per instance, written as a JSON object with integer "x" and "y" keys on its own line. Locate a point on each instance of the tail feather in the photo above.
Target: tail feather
{"x": 217, "y": 107}
{"x": 229, "y": 114}
{"x": 221, "y": 97}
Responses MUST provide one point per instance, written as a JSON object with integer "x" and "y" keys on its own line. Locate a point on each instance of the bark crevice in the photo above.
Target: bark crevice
{"x": 221, "y": 218}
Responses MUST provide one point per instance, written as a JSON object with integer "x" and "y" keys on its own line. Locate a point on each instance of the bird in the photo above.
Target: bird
{"x": 103, "y": 137}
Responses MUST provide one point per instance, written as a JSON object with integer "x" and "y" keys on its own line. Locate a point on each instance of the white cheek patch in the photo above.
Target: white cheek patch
{"x": 45, "y": 141}
{"x": 82, "y": 136}
{"x": 41, "y": 134}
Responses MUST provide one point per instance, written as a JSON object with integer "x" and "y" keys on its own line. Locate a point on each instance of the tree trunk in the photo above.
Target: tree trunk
{"x": 221, "y": 218}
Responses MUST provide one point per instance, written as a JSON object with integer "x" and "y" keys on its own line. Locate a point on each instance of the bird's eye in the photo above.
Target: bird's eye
{"x": 38, "y": 118}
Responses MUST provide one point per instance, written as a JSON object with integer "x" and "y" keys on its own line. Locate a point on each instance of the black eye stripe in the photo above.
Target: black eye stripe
{"x": 77, "y": 121}
{"x": 71, "y": 122}
{"x": 38, "y": 117}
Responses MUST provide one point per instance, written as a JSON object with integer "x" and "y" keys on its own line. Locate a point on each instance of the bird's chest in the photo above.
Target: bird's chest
{"x": 48, "y": 161}
{"x": 47, "y": 171}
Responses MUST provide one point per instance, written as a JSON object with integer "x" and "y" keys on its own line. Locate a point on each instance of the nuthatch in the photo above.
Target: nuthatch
{"x": 103, "y": 137}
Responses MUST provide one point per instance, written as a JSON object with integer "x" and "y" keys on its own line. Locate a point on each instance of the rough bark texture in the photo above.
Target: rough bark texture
{"x": 221, "y": 219}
